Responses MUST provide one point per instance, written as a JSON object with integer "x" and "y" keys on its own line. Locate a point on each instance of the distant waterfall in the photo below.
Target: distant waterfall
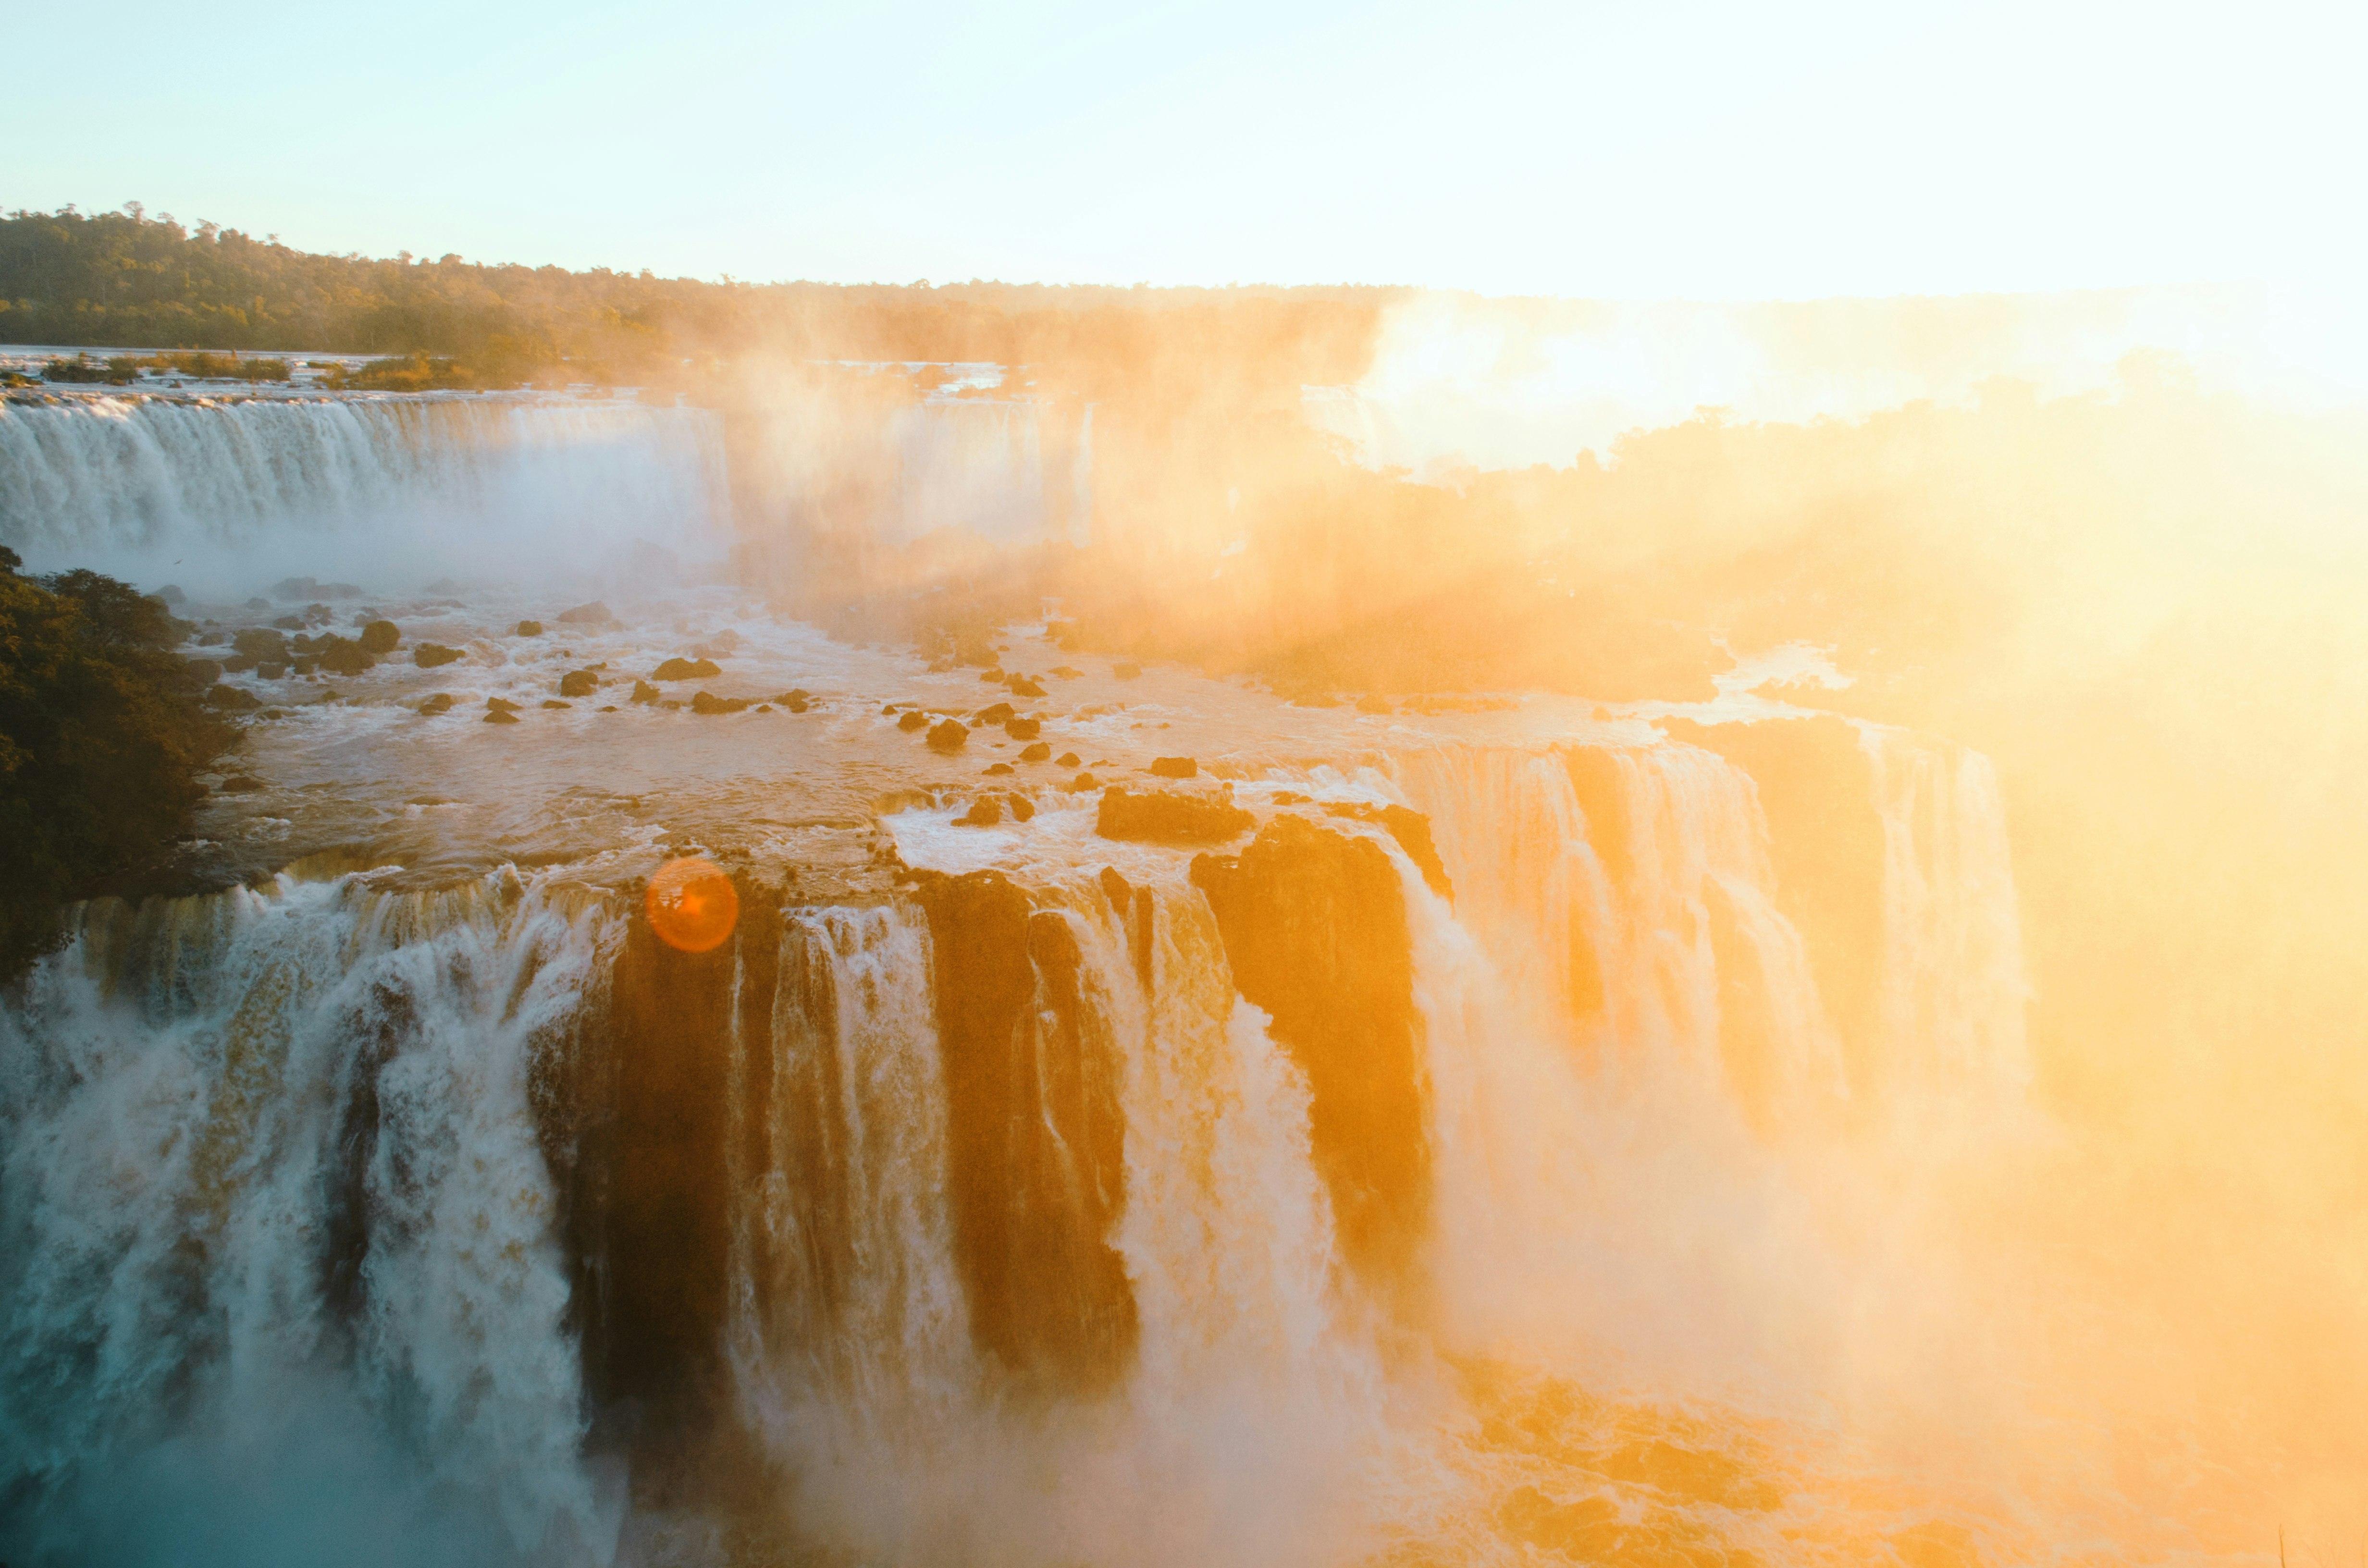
{"x": 389, "y": 493}
{"x": 281, "y": 1236}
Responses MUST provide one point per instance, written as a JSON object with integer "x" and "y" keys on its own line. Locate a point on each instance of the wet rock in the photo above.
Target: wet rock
{"x": 984, "y": 813}
{"x": 578, "y": 683}
{"x": 290, "y": 623}
{"x": 796, "y": 701}
{"x": 554, "y": 702}
{"x": 993, "y": 677}
{"x": 1067, "y": 759}
{"x": 915, "y": 719}
{"x": 1038, "y": 752}
{"x": 379, "y": 637}
{"x": 210, "y": 639}
{"x": 1022, "y": 808}
{"x": 1171, "y": 816}
{"x": 1022, "y": 687}
{"x": 593, "y": 614}
{"x": 500, "y": 705}
{"x": 205, "y": 672}
{"x": 430, "y": 655}
{"x": 1411, "y": 830}
{"x": 527, "y": 629}
{"x": 1175, "y": 768}
{"x": 1128, "y": 670}
{"x": 1000, "y": 767}
{"x": 950, "y": 735}
{"x": 888, "y": 711}
{"x": 439, "y": 703}
{"x": 1084, "y": 783}
{"x": 1063, "y": 672}
{"x": 172, "y": 595}
{"x": 501, "y": 716}
{"x": 270, "y": 672}
{"x": 341, "y": 656}
{"x": 686, "y": 669}
{"x": 239, "y": 784}
{"x": 1001, "y": 713}
{"x": 305, "y": 666}
{"x": 260, "y": 643}
{"x": 708, "y": 702}
{"x": 1315, "y": 927}
{"x": 231, "y": 699}
{"x": 1024, "y": 729}
{"x": 644, "y": 692}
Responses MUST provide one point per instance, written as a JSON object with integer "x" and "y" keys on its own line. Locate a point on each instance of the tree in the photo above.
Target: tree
{"x": 102, "y": 735}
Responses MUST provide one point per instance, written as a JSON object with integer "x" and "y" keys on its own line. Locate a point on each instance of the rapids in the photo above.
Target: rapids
{"x": 382, "y": 1189}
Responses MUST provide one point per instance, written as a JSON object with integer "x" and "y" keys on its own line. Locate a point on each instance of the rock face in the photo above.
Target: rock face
{"x": 1036, "y": 1138}
{"x": 1169, "y": 817}
{"x": 379, "y": 637}
{"x": 1175, "y": 768}
{"x": 950, "y": 735}
{"x": 579, "y": 683}
{"x": 684, "y": 669}
{"x": 430, "y": 655}
{"x": 1411, "y": 830}
{"x": 1315, "y": 927}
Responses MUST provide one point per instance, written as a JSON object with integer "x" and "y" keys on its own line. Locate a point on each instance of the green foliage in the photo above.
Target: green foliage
{"x": 102, "y": 733}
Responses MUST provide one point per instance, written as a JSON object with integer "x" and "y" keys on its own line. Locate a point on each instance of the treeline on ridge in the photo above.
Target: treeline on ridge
{"x": 127, "y": 280}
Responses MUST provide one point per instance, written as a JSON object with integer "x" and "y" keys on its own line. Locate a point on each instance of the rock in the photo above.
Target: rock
{"x": 795, "y": 701}
{"x": 429, "y": 655}
{"x": 1171, "y": 817}
{"x": 500, "y": 705}
{"x": 708, "y": 702}
{"x": 1067, "y": 759}
{"x": 340, "y": 657}
{"x": 270, "y": 672}
{"x": 205, "y": 672}
{"x": 888, "y": 711}
{"x": 231, "y": 699}
{"x": 915, "y": 719}
{"x": 1000, "y": 769}
{"x": 1064, "y": 673}
{"x": 258, "y": 644}
{"x": 528, "y": 629}
{"x": 501, "y": 716}
{"x": 241, "y": 784}
{"x": 1024, "y": 729}
{"x": 1022, "y": 687}
{"x": 210, "y": 639}
{"x": 1411, "y": 830}
{"x": 686, "y": 669}
{"x": 379, "y": 637}
{"x": 592, "y": 614}
{"x": 305, "y": 666}
{"x": 290, "y": 623}
{"x": 554, "y": 702}
{"x": 439, "y": 703}
{"x": 984, "y": 813}
{"x": 578, "y": 683}
{"x": 1371, "y": 704}
{"x": 644, "y": 692}
{"x": 1037, "y": 753}
{"x": 948, "y": 736}
{"x": 1127, "y": 671}
{"x": 1082, "y": 784}
{"x": 1175, "y": 768}
{"x": 993, "y": 677}
{"x": 999, "y": 713}
{"x": 1022, "y": 808}
{"x": 1314, "y": 927}
{"x": 171, "y": 593}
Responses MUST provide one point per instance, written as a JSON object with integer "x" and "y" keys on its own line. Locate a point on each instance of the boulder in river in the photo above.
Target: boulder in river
{"x": 501, "y": 716}
{"x": 1024, "y": 729}
{"x": 529, "y": 628}
{"x": 554, "y": 702}
{"x": 1000, "y": 769}
{"x": 578, "y": 683}
{"x": 950, "y": 735}
{"x": 997, "y": 714}
{"x": 686, "y": 669}
{"x": 1022, "y": 808}
{"x": 708, "y": 702}
{"x": 342, "y": 657}
{"x": 915, "y": 719}
{"x": 379, "y": 637}
{"x": 1022, "y": 687}
{"x": 231, "y": 699}
{"x": 644, "y": 692}
{"x": 984, "y": 813}
{"x": 1171, "y": 816}
{"x": 1067, "y": 759}
{"x": 429, "y": 655}
{"x": 594, "y": 614}
{"x": 262, "y": 642}
{"x": 1175, "y": 768}
{"x": 1040, "y": 752}
{"x": 500, "y": 705}
{"x": 439, "y": 703}
{"x": 270, "y": 672}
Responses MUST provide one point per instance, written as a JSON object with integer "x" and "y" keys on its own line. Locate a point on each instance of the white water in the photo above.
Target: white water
{"x": 201, "y": 1101}
{"x": 390, "y": 493}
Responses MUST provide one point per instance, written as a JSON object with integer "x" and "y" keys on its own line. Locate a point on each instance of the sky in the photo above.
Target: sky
{"x": 1681, "y": 151}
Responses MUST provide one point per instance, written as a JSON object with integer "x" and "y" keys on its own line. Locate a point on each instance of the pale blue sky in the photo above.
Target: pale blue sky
{"x": 1705, "y": 150}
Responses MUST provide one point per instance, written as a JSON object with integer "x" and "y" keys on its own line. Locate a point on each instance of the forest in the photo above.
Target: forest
{"x": 125, "y": 279}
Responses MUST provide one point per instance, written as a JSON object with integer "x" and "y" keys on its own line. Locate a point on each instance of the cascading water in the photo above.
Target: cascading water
{"x": 221, "y": 498}
{"x": 282, "y": 1243}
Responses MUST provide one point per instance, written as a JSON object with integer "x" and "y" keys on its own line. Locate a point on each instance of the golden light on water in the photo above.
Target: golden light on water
{"x": 692, "y": 905}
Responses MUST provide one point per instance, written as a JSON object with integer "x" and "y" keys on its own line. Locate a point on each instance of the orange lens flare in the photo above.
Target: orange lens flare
{"x": 692, "y": 905}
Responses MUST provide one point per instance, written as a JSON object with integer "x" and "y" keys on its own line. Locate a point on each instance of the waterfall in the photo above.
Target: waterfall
{"x": 223, "y": 497}
{"x": 280, "y": 1232}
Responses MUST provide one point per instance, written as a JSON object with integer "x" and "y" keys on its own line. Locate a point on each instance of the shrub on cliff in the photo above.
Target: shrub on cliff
{"x": 102, "y": 735}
